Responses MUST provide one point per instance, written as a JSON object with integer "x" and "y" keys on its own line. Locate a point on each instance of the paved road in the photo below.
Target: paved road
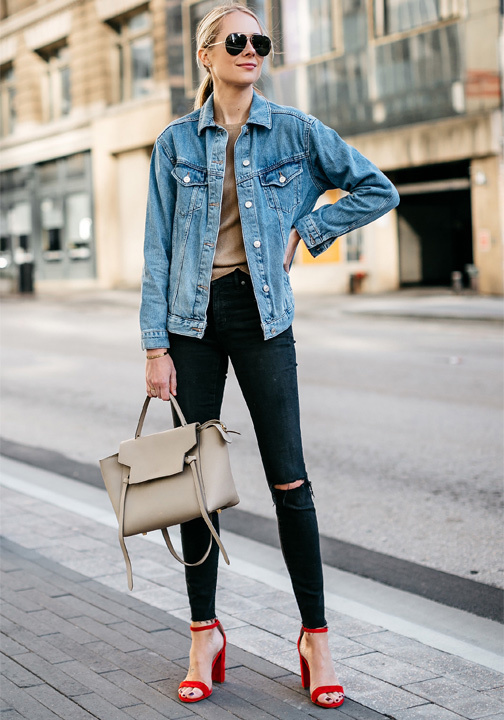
{"x": 402, "y": 417}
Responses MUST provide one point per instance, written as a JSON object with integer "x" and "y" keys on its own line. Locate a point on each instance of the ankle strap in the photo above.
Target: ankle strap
{"x": 316, "y": 630}
{"x": 205, "y": 627}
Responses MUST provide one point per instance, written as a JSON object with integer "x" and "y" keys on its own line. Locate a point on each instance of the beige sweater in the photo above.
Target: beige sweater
{"x": 230, "y": 251}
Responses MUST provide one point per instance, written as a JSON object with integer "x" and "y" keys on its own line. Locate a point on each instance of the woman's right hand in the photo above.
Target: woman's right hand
{"x": 160, "y": 375}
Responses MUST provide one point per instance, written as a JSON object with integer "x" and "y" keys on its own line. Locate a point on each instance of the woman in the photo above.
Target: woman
{"x": 232, "y": 190}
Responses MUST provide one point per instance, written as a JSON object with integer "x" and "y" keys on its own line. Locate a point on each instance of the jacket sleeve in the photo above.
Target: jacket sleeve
{"x": 157, "y": 250}
{"x": 334, "y": 164}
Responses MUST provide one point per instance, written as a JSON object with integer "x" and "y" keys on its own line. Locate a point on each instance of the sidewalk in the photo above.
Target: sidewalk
{"x": 78, "y": 645}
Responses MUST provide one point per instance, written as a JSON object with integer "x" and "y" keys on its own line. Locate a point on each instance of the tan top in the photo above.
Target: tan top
{"x": 230, "y": 251}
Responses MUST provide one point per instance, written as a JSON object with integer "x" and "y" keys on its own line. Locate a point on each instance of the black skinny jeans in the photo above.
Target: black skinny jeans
{"x": 266, "y": 372}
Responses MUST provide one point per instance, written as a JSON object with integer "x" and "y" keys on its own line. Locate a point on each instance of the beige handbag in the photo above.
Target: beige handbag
{"x": 168, "y": 478}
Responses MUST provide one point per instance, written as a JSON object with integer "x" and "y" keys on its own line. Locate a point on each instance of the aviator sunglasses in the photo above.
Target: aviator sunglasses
{"x": 237, "y": 42}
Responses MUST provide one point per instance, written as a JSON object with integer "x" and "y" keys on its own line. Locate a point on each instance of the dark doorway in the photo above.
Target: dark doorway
{"x": 435, "y": 228}
{"x": 435, "y": 237}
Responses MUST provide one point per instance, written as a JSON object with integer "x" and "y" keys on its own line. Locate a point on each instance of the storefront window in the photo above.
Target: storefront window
{"x": 19, "y": 228}
{"x": 51, "y": 210}
{"x": 79, "y": 226}
{"x": 46, "y": 217}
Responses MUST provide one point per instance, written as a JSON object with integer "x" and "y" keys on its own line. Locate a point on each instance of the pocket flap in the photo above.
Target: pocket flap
{"x": 188, "y": 176}
{"x": 158, "y": 455}
{"x": 283, "y": 174}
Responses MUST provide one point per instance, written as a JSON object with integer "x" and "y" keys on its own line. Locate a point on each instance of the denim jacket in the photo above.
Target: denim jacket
{"x": 284, "y": 160}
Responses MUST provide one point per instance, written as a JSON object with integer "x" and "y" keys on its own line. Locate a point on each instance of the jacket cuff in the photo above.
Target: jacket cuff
{"x": 311, "y": 236}
{"x": 153, "y": 339}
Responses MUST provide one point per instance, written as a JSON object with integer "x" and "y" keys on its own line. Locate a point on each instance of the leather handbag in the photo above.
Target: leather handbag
{"x": 156, "y": 481}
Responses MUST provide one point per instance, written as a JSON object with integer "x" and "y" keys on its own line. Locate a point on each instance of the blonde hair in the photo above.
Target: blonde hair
{"x": 207, "y": 31}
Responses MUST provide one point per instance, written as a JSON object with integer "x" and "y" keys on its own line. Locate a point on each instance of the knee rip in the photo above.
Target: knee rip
{"x": 297, "y": 495}
{"x": 289, "y": 486}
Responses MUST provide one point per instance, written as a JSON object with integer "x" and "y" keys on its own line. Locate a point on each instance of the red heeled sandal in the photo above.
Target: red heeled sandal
{"x": 218, "y": 667}
{"x": 305, "y": 676}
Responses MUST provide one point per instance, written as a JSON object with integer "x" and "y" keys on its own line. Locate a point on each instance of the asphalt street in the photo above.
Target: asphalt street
{"x": 402, "y": 416}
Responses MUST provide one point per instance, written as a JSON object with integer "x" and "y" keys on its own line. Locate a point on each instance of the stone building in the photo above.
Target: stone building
{"x": 86, "y": 86}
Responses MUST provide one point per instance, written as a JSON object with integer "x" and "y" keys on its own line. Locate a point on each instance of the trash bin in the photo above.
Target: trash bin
{"x": 473, "y": 274}
{"x": 356, "y": 280}
{"x": 456, "y": 281}
{"x": 26, "y": 277}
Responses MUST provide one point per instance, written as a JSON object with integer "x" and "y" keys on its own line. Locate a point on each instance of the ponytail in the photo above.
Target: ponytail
{"x": 204, "y": 91}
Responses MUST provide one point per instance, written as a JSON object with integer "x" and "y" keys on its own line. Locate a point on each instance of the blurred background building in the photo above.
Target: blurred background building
{"x": 416, "y": 85}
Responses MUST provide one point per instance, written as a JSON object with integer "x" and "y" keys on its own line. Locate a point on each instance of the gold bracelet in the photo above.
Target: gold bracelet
{"x": 154, "y": 357}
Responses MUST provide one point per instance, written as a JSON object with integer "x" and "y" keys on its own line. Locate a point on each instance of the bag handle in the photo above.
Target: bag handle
{"x": 141, "y": 419}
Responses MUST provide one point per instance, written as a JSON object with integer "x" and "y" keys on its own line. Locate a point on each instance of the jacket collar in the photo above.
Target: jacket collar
{"x": 260, "y": 113}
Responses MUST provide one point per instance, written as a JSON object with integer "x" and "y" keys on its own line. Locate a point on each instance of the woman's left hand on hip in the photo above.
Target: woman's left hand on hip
{"x": 292, "y": 244}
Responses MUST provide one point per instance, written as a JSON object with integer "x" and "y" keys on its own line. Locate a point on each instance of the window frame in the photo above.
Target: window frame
{"x": 336, "y": 38}
{"x": 55, "y": 105}
{"x": 122, "y": 41}
{"x": 8, "y": 115}
{"x": 448, "y": 12}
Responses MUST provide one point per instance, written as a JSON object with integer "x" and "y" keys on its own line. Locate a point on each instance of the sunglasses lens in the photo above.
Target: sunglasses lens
{"x": 237, "y": 42}
{"x": 261, "y": 44}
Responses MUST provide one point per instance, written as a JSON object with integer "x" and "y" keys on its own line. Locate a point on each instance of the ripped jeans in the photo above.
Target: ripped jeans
{"x": 266, "y": 373}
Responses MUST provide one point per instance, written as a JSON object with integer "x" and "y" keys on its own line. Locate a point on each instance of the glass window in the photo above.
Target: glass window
{"x": 135, "y": 55}
{"x": 51, "y": 210}
{"x": 394, "y": 16}
{"x": 141, "y": 64}
{"x": 304, "y": 29}
{"x": 19, "y": 224}
{"x": 79, "y": 226}
{"x": 57, "y": 91}
{"x": 355, "y": 245}
{"x": 75, "y": 165}
{"x": 7, "y": 100}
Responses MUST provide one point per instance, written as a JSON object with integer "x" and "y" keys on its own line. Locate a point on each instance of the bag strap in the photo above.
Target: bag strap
{"x": 141, "y": 419}
{"x": 124, "y": 549}
{"x": 192, "y": 461}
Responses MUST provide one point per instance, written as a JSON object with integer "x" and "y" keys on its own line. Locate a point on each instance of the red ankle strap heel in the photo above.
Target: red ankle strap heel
{"x": 218, "y": 667}
{"x": 305, "y": 675}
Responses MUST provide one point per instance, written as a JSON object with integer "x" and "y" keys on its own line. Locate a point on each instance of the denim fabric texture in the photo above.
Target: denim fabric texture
{"x": 267, "y": 375}
{"x": 284, "y": 161}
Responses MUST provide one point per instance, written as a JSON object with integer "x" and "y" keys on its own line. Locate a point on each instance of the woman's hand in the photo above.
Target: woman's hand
{"x": 292, "y": 244}
{"x": 160, "y": 375}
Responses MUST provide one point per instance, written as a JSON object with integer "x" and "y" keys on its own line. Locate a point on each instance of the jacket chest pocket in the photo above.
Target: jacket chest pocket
{"x": 282, "y": 186}
{"x": 192, "y": 186}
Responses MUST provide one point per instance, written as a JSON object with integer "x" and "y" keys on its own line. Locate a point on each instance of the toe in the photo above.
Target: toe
{"x": 190, "y": 692}
{"x": 330, "y": 698}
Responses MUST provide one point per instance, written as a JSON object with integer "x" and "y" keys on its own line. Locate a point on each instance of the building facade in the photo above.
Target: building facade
{"x": 416, "y": 85}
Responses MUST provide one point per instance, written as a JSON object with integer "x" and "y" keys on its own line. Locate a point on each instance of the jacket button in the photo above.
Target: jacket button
{"x": 248, "y": 204}
{"x": 282, "y": 178}
{"x": 187, "y": 179}
{"x": 246, "y": 163}
{"x": 273, "y": 331}
{"x": 266, "y": 288}
{"x": 257, "y": 243}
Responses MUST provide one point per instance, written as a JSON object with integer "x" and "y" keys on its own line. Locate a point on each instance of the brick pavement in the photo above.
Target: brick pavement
{"x": 76, "y": 644}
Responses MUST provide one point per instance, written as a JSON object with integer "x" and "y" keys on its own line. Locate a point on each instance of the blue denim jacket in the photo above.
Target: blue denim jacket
{"x": 284, "y": 160}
